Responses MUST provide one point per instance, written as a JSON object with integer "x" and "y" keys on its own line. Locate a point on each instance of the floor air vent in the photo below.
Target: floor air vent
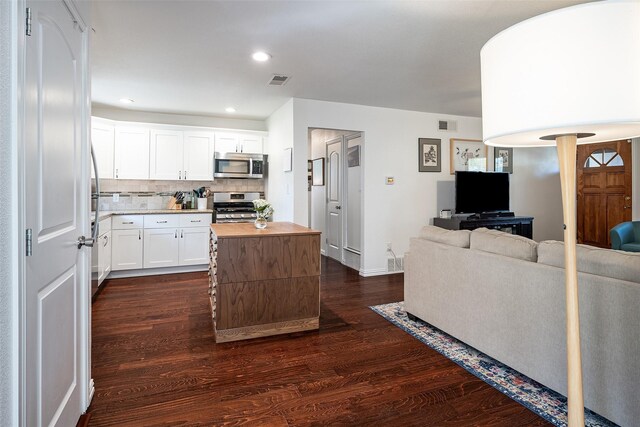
{"x": 278, "y": 80}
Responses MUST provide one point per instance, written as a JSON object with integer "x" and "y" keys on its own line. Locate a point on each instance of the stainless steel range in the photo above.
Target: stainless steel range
{"x": 234, "y": 207}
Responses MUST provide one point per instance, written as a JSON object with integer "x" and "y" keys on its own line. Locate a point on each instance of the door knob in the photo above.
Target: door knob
{"x": 338, "y": 207}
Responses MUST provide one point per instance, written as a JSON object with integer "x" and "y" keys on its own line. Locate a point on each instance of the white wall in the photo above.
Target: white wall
{"x": 9, "y": 247}
{"x": 395, "y": 213}
{"x": 391, "y": 213}
{"x": 280, "y": 184}
{"x": 535, "y": 190}
{"x": 123, "y": 114}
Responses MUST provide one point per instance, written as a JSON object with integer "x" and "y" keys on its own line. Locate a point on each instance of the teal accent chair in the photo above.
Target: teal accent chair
{"x": 626, "y": 236}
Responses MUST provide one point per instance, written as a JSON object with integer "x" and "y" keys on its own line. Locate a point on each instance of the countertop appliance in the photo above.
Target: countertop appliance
{"x": 234, "y": 207}
{"x": 238, "y": 165}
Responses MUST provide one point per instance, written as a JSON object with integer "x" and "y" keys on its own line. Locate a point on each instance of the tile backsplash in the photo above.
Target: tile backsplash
{"x": 147, "y": 194}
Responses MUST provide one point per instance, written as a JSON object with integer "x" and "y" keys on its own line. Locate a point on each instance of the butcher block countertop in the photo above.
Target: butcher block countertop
{"x": 231, "y": 230}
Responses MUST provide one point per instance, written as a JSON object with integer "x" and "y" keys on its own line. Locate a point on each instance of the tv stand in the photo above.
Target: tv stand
{"x": 520, "y": 225}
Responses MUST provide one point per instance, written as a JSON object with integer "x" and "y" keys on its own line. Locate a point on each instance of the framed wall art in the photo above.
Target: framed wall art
{"x": 503, "y": 159}
{"x": 467, "y": 155}
{"x": 429, "y": 155}
{"x": 317, "y": 174}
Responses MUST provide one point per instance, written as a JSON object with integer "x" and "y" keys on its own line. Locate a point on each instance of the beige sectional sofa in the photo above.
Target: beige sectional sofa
{"x": 505, "y": 296}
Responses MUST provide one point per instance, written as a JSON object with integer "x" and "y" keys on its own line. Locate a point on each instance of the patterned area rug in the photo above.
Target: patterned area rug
{"x": 543, "y": 401}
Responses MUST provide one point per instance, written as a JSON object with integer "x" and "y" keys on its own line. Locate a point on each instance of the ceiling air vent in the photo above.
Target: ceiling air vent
{"x": 447, "y": 125}
{"x": 278, "y": 80}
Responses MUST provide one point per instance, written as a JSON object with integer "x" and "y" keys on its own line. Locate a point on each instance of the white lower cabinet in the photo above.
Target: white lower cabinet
{"x": 156, "y": 241}
{"x": 104, "y": 256}
{"x": 194, "y": 246}
{"x": 161, "y": 247}
{"x": 126, "y": 249}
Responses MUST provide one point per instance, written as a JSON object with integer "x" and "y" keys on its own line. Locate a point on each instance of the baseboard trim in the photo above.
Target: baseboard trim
{"x": 121, "y": 274}
{"x": 377, "y": 272}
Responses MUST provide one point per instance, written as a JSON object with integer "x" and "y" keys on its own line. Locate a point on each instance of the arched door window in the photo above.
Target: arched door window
{"x": 604, "y": 157}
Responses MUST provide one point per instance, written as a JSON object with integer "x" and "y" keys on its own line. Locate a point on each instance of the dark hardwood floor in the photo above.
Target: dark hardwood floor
{"x": 155, "y": 363}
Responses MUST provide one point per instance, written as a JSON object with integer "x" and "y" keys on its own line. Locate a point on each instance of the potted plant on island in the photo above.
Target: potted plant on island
{"x": 263, "y": 211}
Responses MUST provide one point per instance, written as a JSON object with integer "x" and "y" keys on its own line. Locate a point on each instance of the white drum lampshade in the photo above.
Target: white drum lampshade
{"x": 574, "y": 70}
{"x": 571, "y": 76}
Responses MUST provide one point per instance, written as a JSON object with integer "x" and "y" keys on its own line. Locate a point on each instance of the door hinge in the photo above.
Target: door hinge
{"x": 28, "y": 22}
{"x": 28, "y": 242}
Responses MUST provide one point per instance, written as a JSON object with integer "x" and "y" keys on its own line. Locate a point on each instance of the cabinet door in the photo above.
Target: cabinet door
{"x": 160, "y": 247}
{"x": 198, "y": 156}
{"x": 103, "y": 141}
{"x": 227, "y": 142}
{"x": 105, "y": 258}
{"x": 165, "y": 155}
{"x": 250, "y": 144}
{"x": 194, "y": 245}
{"x": 132, "y": 153}
{"x": 126, "y": 249}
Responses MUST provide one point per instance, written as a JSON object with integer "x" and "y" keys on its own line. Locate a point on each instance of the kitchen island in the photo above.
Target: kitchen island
{"x": 263, "y": 282}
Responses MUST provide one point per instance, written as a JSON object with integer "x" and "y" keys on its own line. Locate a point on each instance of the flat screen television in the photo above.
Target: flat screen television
{"x": 478, "y": 192}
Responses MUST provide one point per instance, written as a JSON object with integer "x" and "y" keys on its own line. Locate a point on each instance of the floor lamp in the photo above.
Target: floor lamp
{"x": 567, "y": 77}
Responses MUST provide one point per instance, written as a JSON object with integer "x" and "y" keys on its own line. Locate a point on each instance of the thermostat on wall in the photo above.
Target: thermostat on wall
{"x": 390, "y": 180}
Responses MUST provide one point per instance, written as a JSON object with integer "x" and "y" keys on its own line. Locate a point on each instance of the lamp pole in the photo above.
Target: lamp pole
{"x": 566, "y": 145}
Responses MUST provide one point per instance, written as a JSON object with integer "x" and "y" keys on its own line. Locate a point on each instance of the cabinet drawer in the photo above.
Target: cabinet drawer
{"x": 195, "y": 220}
{"x": 104, "y": 226}
{"x": 162, "y": 221}
{"x": 126, "y": 222}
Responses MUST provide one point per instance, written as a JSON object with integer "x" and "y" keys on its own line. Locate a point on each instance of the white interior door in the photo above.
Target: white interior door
{"x": 54, "y": 207}
{"x": 334, "y": 199}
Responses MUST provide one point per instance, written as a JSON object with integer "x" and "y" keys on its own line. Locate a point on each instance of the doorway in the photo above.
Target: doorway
{"x": 604, "y": 190}
{"x": 336, "y": 205}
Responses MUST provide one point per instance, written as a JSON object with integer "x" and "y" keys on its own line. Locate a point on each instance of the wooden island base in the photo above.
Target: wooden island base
{"x": 263, "y": 282}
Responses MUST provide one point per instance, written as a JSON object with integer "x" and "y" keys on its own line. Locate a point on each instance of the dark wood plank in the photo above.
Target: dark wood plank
{"x": 155, "y": 363}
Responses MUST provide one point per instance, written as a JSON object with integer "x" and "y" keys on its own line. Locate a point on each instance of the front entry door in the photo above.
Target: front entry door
{"x": 55, "y": 272}
{"x": 334, "y": 199}
{"x": 604, "y": 190}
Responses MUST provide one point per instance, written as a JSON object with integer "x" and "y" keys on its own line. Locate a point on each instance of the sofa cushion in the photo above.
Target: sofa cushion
{"x": 458, "y": 238}
{"x": 601, "y": 262}
{"x": 500, "y": 243}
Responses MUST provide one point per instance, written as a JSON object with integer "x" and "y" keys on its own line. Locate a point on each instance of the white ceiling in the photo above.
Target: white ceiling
{"x": 194, "y": 57}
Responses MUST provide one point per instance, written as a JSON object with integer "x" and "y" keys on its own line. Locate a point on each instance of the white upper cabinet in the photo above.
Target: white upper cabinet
{"x": 198, "y": 156}
{"x": 131, "y": 153}
{"x": 251, "y": 144}
{"x": 227, "y": 142}
{"x": 166, "y": 155}
{"x": 103, "y": 141}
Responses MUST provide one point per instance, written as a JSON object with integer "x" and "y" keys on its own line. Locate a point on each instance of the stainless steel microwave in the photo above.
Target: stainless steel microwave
{"x": 238, "y": 165}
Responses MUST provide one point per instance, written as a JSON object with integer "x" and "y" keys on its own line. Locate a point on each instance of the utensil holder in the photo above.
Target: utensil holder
{"x": 202, "y": 203}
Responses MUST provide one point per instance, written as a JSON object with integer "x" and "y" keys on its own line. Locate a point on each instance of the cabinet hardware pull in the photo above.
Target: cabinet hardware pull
{"x": 181, "y": 234}
{"x": 162, "y": 222}
{"x": 196, "y": 221}
{"x": 116, "y": 173}
{"x": 175, "y": 235}
{"x": 179, "y": 174}
{"x": 127, "y": 222}
{"x": 139, "y": 235}
{"x": 185, "y": 174}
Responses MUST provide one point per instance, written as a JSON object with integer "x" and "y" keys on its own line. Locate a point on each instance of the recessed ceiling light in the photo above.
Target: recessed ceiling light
{"x": 230, "y": 110}
{"x": 126, "y": 100}
{"x": 261, "y": 56}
